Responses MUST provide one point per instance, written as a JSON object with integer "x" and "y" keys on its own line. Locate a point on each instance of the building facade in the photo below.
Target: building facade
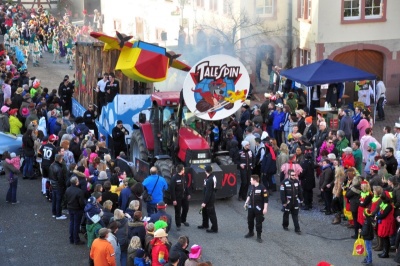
{"x": 360, "y": 33}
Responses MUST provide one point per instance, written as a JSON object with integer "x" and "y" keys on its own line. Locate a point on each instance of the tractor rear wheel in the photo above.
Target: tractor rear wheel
{"x": 138, "y": 146}
{"x": 165, "y": 168}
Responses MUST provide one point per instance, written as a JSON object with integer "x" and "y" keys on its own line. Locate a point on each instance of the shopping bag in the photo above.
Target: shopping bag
{"x": 359, "y": 247}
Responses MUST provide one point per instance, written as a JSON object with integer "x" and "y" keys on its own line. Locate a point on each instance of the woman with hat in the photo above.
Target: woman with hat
{"x": 386, "y": 223}
{"x": 15, "y": 124}
{"x": 194, "y": 255}
{"x": 159, "y": 253}
{"x": 17, "y": 99}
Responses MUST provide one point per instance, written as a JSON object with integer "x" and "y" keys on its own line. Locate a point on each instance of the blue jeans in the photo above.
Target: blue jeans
{"x": 368, "y": 247}
{"x": 12, "y": 191}
{"x": 75, "y": 217}
{"x": 56, "y": 203}
{"x": 28, "y": 167}
{"x": 151, "y": 208}
{"x": 124, "y": 256}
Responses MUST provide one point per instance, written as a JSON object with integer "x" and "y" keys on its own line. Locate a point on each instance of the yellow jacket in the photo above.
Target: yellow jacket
{"x": 15, "y": 125}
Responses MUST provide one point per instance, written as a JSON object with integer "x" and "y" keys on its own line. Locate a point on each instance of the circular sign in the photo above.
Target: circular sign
{"x": 216, "y": 87}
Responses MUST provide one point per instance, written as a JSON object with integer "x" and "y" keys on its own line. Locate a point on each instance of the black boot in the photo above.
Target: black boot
{"x": 249, "y": 234}
{"x": 386, "y": 248}
{"x": 259, "y": 240}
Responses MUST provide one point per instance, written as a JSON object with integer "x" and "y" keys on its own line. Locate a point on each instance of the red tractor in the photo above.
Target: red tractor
{"x": 174, "y": 135}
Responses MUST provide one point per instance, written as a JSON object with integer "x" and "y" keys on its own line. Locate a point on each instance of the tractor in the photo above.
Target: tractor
{"x": 174, "y": 135}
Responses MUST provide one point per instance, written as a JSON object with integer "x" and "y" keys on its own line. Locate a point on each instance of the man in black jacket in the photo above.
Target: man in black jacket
{"x": 57, "y": 180}
{"x": 291, "y": 195}
{"x": 66, "y": 91}
{"x": 89, "y": 118}
{"x": 390, "y": 160}
{"x": 180, "y": 248}
{"x": 75, "y": 205}
{"x": 118, "y": 135}
{"x": 47, "y": 153}
{"x": 208, "y": 208}
{"x": 180, "y": 196}
{"x": 321, "y": 135}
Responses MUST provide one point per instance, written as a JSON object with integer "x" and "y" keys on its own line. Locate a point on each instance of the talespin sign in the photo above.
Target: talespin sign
{"x": 216, "y": 87}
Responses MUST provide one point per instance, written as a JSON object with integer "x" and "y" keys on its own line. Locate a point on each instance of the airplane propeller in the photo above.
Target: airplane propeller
{"x": 122, "y": 39}
{"x": 172, "y": 56}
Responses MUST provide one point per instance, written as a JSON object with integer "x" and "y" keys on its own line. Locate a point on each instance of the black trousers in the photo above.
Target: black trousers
{"x": 308, "y": 197}
{"x": 327, "y": 196}
{"x": 294, "y": 210}
{"x": 244, "y": 183}
{"x": 258, "y": 216}
{"x": 356, "y": 224}
{"x": 181, "y": 211}
{"x": 208, "y": 213}
{"x": 267, "y": 181}
{"x": 278, "y": 137}
{"x": 379, "y": 108}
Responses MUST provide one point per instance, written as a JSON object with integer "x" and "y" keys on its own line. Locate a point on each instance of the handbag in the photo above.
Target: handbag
{"x": 147, "y": 197}
{"x": 359, "y": 247}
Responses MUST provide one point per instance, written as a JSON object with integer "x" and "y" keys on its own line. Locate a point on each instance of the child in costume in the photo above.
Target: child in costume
{"x": 367, "y": 232}
{"x": 365, "y": 201}
{"x": 56, "y": 48}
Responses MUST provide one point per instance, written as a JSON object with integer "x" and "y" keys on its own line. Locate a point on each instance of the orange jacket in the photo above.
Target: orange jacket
{"x": 102, "y": 253}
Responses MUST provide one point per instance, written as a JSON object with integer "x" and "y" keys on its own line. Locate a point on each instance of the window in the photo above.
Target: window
{"x": 305, "y": 9}
{"x": 304, "y": 57}
{"x": 373, "y": 8}
{"x": 214, "y": 5}
{"x": 265, "y": 7}
{"x": 352, "y": 9}
{"x": 359, "y": 11}
{"x": 200, "y": 3}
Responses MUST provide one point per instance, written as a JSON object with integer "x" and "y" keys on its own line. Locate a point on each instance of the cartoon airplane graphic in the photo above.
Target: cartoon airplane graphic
{"x": 140, "y": 60}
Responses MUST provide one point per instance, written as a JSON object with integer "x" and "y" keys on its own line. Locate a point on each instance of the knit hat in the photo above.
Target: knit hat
{"x": 245, "y": 142}
{"x": 161, "y": 205}
{"x": 372, "y": 145}
{"x": 160, "y": 224}
{"x": 140, "y": 253}
{"x": 13, "y": 155}
{"x": 308, "y": 119}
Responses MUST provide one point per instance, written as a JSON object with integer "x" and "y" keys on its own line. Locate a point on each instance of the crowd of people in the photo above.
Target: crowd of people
{"x": 280, "y": 144}
{"x": 355, "y": 174}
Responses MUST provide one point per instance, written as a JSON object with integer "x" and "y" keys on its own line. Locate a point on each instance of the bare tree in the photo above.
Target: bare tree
{"x": 237, "y": 32}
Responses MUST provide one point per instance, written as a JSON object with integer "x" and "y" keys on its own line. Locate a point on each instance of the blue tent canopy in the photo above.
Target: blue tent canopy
{"x": 326, "y": 71}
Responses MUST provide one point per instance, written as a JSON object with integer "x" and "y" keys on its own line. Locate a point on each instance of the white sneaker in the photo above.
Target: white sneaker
{"x": 62, "y": 217}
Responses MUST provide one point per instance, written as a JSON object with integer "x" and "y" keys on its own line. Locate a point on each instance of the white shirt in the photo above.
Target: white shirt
{"x": 388, "y": 140}
{"x": 102, "y": 85}
{"x": 380, "y": 90}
